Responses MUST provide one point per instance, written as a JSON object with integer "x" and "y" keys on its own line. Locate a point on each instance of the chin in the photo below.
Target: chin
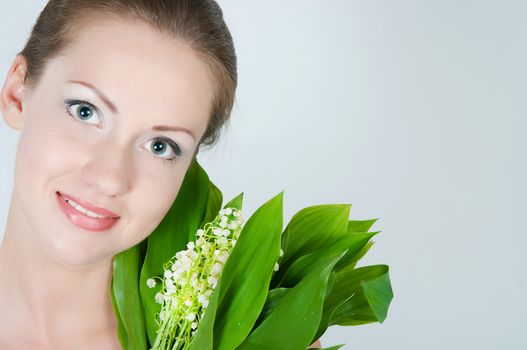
{"x": 77, "y": 254}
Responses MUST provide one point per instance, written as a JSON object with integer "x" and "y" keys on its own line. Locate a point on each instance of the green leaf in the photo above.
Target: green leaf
{"x": 371, "y": 292}
{"x": 348, "y": 302}
{"x": 352, "y": 262}
{"x": 236, "y": 202}
{"x": 331, "y": 282}
{"x": 273, "y": 298}
{"x": 311, "y": 229}
{"x": 360, "y": 225}
{"x": 353, "y": 256}
{"x": 379, "y": 294}
{"x": 121, "y": 331}
{"x": 126, "y": 293}
{"x": 247, "y": 274}
{"x": 172, "y": 234}
{"x": 214, "y": 200}
{"x": 294, "y": 321}
{"x": 203, "y": 339}
{"x": 353, "y": 252}
{"x": 336, "y": 347}
{"x": 350, "y": 244}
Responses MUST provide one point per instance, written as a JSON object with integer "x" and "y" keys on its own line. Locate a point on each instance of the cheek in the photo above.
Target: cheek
{"x": 149, "y": 205}
{"x": 43, "y": 150}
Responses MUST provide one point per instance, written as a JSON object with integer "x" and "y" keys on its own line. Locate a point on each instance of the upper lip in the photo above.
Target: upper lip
{"x": 89, "y": 206}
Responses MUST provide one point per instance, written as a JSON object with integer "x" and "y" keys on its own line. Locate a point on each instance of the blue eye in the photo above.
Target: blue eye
{"x": 84, "y": 110}
{"x": 160, "y": 145}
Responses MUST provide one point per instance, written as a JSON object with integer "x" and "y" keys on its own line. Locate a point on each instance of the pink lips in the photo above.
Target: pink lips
{"x": 85, "y": 221}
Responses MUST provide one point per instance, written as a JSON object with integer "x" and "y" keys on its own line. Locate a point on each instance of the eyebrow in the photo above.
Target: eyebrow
{"x": 112, "y": 107}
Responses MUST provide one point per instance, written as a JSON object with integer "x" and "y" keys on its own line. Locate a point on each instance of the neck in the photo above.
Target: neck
{"x": 49, "y": 298}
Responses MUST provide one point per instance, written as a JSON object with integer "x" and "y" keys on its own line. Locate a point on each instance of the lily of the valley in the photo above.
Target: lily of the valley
{"x": 190, "y": 277}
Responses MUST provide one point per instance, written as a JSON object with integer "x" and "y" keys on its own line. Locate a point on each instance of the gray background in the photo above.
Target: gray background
{"x": 412, "y": 111}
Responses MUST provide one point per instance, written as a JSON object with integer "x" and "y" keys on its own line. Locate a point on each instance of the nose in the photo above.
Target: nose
{"x": 108, "y": 172}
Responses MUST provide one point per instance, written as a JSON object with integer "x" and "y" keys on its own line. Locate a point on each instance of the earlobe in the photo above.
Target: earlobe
{"x": 12, "y": 93}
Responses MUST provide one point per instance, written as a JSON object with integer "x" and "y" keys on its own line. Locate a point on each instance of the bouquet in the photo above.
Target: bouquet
{"x": 206, "y": 279}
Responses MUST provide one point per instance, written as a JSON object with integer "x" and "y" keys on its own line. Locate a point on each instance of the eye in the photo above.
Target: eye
{"x": 164, "y": 147}
{"x": 81, "y": 110}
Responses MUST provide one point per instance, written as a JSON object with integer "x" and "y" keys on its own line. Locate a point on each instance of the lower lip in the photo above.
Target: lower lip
{"x": 84, "y": 221}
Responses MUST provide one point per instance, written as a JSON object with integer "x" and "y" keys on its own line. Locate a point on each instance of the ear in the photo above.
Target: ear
{"x": 13, "y": 92}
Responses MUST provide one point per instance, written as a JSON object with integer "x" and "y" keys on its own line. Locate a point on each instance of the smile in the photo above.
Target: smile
{"x": 83, "y": 210}
{"x": 86, "y": 215}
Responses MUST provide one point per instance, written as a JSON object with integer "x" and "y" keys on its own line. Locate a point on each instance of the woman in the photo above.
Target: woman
{"x": 113, "y": 100}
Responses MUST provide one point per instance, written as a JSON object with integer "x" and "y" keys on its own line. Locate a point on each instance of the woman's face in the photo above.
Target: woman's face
{"x": 106, "y": 152}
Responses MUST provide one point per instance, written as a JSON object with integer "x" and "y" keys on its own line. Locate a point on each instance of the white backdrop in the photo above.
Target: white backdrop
{"x": 414, "y": 112}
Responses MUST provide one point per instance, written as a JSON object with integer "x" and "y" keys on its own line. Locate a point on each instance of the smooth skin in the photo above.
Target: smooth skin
{"x": 56, "y": 276}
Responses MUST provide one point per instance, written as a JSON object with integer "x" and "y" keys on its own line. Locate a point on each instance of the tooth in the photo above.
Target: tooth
{"x": 84, "y": 211}
{"x": 93, "y": 215}
{"x": 79, "y": 208}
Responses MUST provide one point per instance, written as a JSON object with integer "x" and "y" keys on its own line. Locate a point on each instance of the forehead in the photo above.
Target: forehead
{"x": 139, "y": 66}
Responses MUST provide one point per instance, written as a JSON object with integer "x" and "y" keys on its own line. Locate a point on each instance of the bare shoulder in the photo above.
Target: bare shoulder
{"x": 103, "y": 342}
{"x": 315, "y": 345}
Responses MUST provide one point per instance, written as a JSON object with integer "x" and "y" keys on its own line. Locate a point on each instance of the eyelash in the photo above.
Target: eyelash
{"x": 174, "y": 146}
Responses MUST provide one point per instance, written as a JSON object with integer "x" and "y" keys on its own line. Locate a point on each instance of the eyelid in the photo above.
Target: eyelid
{"x": 71, "y": 102}
{"x": 172, "y": 144}
{"x": 175, "y": 147}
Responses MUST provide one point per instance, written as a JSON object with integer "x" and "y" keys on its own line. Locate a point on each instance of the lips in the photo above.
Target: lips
{"x": 89, "y": 206}
{"x": 82, "y": 220}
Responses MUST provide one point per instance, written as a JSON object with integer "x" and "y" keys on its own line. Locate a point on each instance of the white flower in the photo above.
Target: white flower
{"x": 217, "y": 268}
{"x": 276, "y": 267}
{"x": 207, "y": 247}
{"x": 162, "y": 315}
{"x": 212, "y": 281}
{"x": 218, "y": 231}
{"x": 176, "y": 265}
{"x": 202, "y": 298}
{"x": 281, "y": 253}
{"x": 222, "y": 241}
{"x": 223, "y": 257}
{"x": 192, "y": 254}
{"x": 191, "y": 277}
{"x": 151, "y": 283}
{"x": 201, "y": 242}
{"x": 159, "y": 298}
